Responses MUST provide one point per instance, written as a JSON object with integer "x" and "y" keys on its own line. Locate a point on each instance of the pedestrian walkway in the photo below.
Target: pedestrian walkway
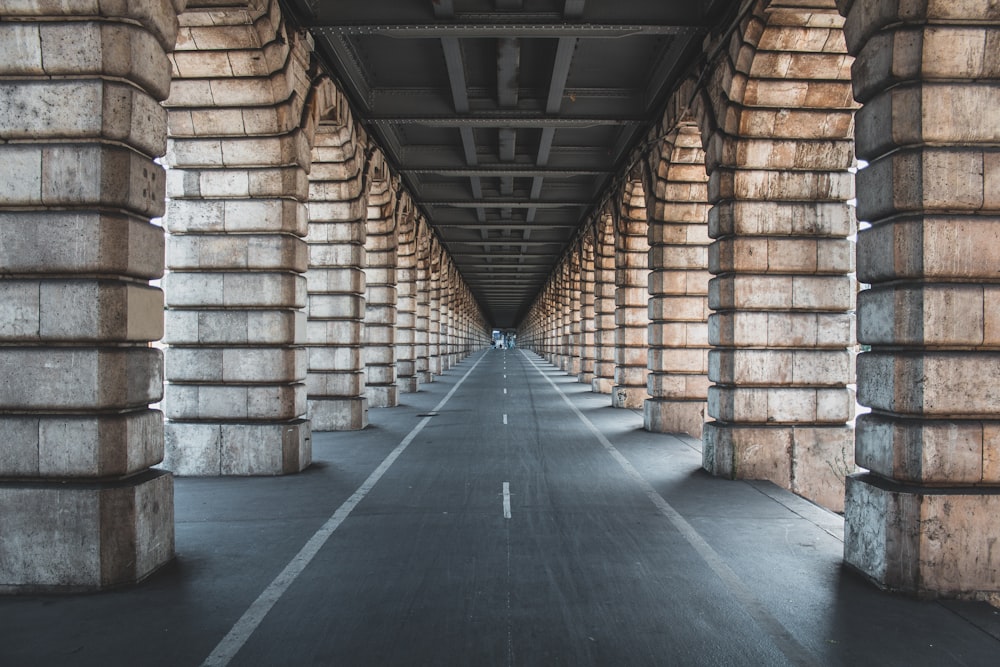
{"x": 505, "y": 515}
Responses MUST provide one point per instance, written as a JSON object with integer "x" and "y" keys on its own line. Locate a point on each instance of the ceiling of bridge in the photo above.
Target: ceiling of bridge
{"x": 508, "y": 119}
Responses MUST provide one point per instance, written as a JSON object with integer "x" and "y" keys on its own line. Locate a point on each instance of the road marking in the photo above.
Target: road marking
{"x": 230, "y": 645}
{"x": 779, "y": 634}
{"x": 505, "y": 390}
{"x": 505, "y": 418}
{"x": 506, "y": 500}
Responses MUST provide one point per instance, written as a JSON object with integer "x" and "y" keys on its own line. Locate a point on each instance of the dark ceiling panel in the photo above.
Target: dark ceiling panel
{"x": 507, "y": 118}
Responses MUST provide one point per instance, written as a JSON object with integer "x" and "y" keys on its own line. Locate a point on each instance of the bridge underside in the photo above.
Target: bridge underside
{"x": 229, "y": 225}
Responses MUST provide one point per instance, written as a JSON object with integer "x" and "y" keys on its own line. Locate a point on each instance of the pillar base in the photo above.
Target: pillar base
{"x": 424, "y": 377}
{"x": 338, "y": 414}
{"x": 382, "y": 396}
{"x": 408, "y": 385}
{"x": 585, "y": 378}
{"x": 602, "y": 385}
{"x": 630, "y": 398}
{"x": 238, "y": 449}
{"x": 811, "y": 461}
{"x": 925, "y": 541}
{"x": 77, "y": 537}
{"x": 660, "y": 415}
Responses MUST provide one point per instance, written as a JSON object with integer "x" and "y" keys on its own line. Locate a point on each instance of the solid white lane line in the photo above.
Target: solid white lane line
{"x": 506, "y": 500}
{"x": 230, "y": 645}
{"x": 779, "y": 634}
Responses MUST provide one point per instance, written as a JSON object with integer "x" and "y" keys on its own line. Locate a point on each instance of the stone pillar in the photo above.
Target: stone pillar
{"x": 447, "y": 287}
{"x": 678, "y": 287}
{"x": 406, "y": 294}
{"x": 236, "y": 398}
{"x": 80, "y": 507}
{"x": 336, "y": 278}
{"x": 380, "y": 291}
{"x": 421, "y": 346}
{"x": 924, "y": 519}
{"x": 434, "y": 311}
{"x": 575, "y": 313}
{"x": 604, "y": 307}
{"x": 587, "y": 324}
{"x": 783, "y": 293}
{"x": 632, "y": 302}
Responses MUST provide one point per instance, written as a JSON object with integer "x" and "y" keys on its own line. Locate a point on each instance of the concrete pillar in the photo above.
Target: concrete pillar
{"x": 631, "y": 302}
{"x": 80, "y": 507}
{"x": 421, "y": 335}
{"x": 604, "y": 307}
{"x": 924, "y": 519}
{"x": 563, "y": 321}
{"x": 587, "y": 324}
{"x": 380, "y": 290}
{"x": 678, "y": 286}
{"x": 236, "y": 398}
{"x": 406, "y": 294}
{"x": 336, "y": 279}
{"x": 783, "y": 291}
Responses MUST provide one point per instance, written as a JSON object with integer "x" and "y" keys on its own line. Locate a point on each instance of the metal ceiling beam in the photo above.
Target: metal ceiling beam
{"x": 505, "y": 203}
{"x": 502, "y": 225}
{"x": 508, "y": 120}
{"x": 504, "y": 170}
{"x": 502, "y": 28}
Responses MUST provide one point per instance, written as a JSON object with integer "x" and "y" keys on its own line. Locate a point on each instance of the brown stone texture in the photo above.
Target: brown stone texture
{"x": 406, "y": 295}
{"x": 923, "y": 520}
{"x": 778, "y": 158}
{"x": 380, "y": 287}
{"x": 677, "y": 203}
{"x": 81, "y": 126}
{"x": 336, "y": 280}
{"x": 239, "y": 148}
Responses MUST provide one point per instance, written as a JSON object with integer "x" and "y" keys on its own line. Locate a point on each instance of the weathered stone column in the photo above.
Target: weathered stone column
{"x": 604, "y": 307}
{"x": 566, "y": 304}
{"x": 421, "y": 346}
{"x": 434, "y": 310}
{"x": 631, "y": 301}
{"x": 406, "y": 294}
{"x": 380, "y": 290}
{"x": 447, "y": 292}
{"x": 236, "y": 398}
{"x": 925, "y": 519}
{"x": 336, "y": 280}
{"x": 587, "y": 324}
{"x": 783, "y": 292}
{"x": 80, "y": 127}
{"x": 575, "y": 313}
{"x": 678, "y": 286}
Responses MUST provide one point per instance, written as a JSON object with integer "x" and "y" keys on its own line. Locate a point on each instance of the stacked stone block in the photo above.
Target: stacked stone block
{"x": 678, "y": 286}
{"x": 380, "y": 304}
{"x": 80, "y": 127}
{"x": 434, "y": 309}
{"x": 336, "y": 277}
{"x": 631, "y": 301}
{"x": 604, "y": 307}
{"x": 236, "y": 398}
{"x": 421, "y": 334}
{"x": 783, "y": 293}
{"x": 586, "y": 374}
{"x": 406, "y": 294}
{"x": 924, "y": 519}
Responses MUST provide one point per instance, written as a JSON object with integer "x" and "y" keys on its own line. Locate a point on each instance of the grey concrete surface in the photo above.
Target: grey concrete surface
{"x": 619, "y": 550}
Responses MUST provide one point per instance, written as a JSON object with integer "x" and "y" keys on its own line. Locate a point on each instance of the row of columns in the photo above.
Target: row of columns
{"x": 741, "y": 213}
{"x": 751, "y": 293}
{"x": 291, "y": 256}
